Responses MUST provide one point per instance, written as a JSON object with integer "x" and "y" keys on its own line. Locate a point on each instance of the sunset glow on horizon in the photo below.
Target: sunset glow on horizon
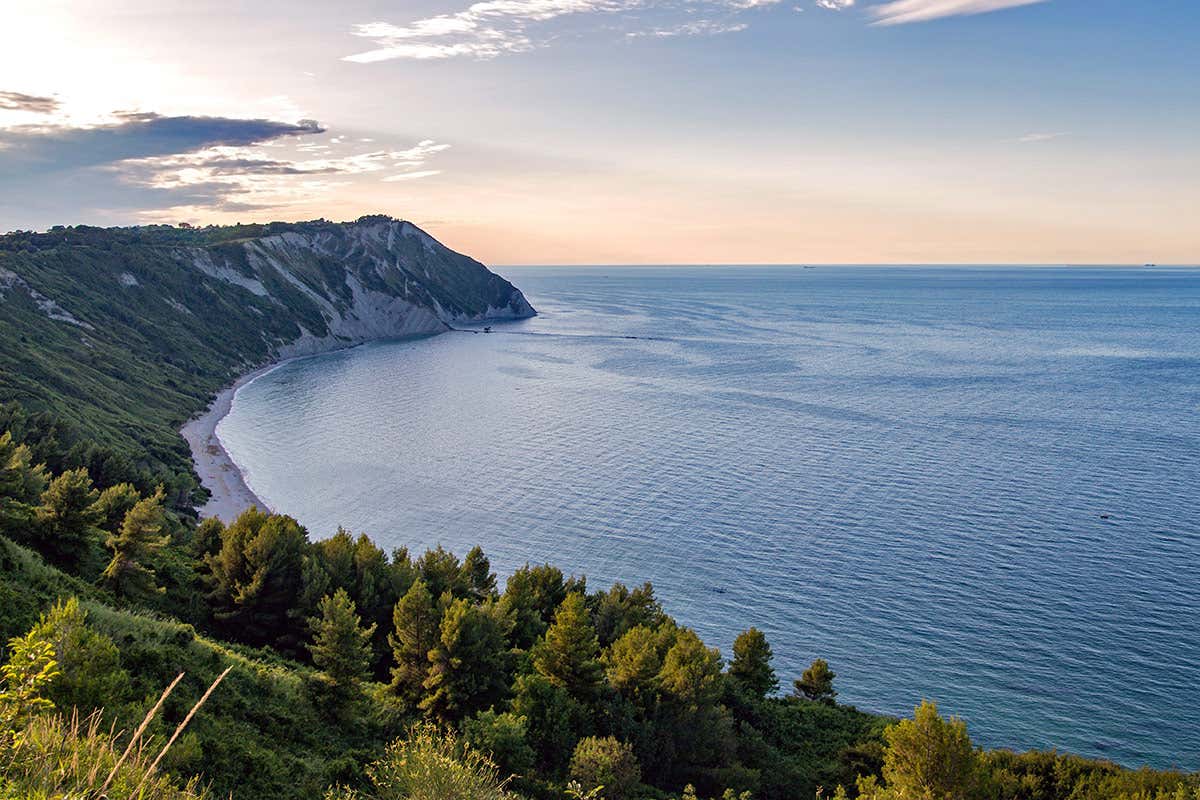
{"x": 622, "y": 131}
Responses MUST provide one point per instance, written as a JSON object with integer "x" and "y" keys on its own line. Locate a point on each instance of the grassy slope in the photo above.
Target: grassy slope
{"x": 264, "y": 729}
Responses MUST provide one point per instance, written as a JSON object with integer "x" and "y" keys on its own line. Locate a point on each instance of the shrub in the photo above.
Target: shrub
{"x": 431, "y": 765}
{"x": 606, "y": 763}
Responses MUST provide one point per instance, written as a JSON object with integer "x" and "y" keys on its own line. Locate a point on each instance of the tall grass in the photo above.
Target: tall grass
{"x": 69, "y": 756}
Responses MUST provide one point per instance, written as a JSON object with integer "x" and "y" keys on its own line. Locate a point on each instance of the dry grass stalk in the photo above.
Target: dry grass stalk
{"x": 181, "y": 726}
{"x": 138, "y": 733}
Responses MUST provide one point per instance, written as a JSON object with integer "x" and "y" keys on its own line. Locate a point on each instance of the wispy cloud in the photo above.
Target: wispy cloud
{"x": 160, "y": 165}
{"x": 31, "y": 149}
{"x": 700, "y": 27}
{"x": 834, "y": 5}
{"x": 33, "y": 104}
{"x": 902, "y": 12}
{"x": 497, "y": 27}
{"x": 1030, "y": 138}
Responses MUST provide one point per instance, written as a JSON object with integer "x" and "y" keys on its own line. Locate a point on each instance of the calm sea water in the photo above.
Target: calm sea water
{"x": 980, "y": 486}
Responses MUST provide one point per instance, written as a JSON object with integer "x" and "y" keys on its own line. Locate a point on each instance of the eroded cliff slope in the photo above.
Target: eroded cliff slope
{"x": 128, "y": 331}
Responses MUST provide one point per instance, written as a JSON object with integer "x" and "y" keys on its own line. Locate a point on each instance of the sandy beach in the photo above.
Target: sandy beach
{"x": 230, "y": 494}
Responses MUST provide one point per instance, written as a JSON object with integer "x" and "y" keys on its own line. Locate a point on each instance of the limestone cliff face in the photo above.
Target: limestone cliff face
{"x": 129, "y": 331}
{"x": 374, "y": 278}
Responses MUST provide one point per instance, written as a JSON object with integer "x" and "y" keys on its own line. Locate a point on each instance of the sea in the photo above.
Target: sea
{"x": 975, "y": 485}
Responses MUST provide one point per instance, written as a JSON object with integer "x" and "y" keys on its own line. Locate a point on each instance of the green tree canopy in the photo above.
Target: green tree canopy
{"x": 139, "y": 538}
{"x": 567, "y": 655}
{"x": 816, "y": 683}
{"x": 468, "y": 666}
{"x": 620, "y": 609}
{"x": 256, "y": 581}
{"x": 90, "y": 673}
{"x": 476, "y": 575}
{"x": 415, "y": 631}
{"x": 21, "y": 485}
{"x": 691, "y": 672}
{"x": 341, "y": 646}
{"x": 114, "y": 503}
{"x": 68, "y": 520}
{"x": 751, "y": 666}
{"x": 531, "y": 596}
{"x": 503, "y": 737}
{"x": 929, "y": 757}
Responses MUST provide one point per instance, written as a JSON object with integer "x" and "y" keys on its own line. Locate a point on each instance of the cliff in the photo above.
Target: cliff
{"x": 128, "y": 331}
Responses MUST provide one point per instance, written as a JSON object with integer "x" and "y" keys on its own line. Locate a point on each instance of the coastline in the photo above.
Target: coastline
{"x": 217, "y": 470}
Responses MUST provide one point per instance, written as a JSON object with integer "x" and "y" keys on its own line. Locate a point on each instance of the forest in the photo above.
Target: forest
{"x": 150, "y": 654}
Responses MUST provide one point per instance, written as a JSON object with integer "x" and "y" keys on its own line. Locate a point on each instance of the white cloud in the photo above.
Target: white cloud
{"x": 496, "y": 27}
{"x": 1030, "y": 138}
{"x": 700, "y": 27}
{"x": 901, "y": 12}
{"x": 834, "y": 5}
{"x": 483, "y": 30}
{"x": 252, "y": 177}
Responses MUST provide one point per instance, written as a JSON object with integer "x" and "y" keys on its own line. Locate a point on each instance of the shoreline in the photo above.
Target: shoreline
{"x": 218, "y": 472}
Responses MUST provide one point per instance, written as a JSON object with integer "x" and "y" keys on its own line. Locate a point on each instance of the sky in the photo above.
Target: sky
{"x": 622, "y": 131}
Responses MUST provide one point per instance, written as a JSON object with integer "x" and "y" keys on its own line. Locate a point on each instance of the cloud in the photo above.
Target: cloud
{"x": 902, "y": 12}
{"x": 1030, "y": 138}
{"x": 496, "y": 27}
{"x": 32, "y": 149}
{"x": 700, "y": 27}
{"x": 483, "y": 30}
{"x": 834, "y": 5}
{"x": 16, "y": 101}
{"x": 150, "y": 163}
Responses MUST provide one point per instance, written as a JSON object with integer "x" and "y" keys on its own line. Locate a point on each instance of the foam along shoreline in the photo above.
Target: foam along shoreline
{"x": 217, "y": 470}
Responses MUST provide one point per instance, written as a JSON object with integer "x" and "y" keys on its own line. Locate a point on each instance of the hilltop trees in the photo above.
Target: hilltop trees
{"x": 751, "y": 666}
{"x": 531, "y": 597}
{"x": 68, "y": 520}
{"x": 566, "y": 655}
{"x": 139, "y": 537}
{"x": 21, "y": 485}
{"x": 415, "y": 632}
{"x": 468, "y": 669}
{"x": 607, "y": 764}
{"x": 341, "y": 646}
{"x": 929, "y": 756}
{"x": 816, "y": 683}
{"x": 255, "y": 580}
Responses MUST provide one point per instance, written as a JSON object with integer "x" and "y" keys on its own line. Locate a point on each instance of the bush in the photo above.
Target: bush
{"x": 431, "y": 765}
{"x": 606, "y": 763}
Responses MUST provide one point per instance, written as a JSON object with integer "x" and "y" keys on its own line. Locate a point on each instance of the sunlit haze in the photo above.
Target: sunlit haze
{"x": 622, "y": 131}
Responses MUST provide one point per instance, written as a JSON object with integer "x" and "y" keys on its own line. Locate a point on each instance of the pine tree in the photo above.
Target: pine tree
{"x": 751, "y": 666}
{"x": 691, "y": 672}
{"x": 477, "y": 574}
{"x": 531, "y": 596}
{"x": 816, "y": 683}
{"x": 928, "y": 756}
{"x": 415, "y": 632}
{"x": 257, "y": 580}
{"x": 467, "y": 667}
{"x": 341, "y": 646}
{"x": 114, "y": 503}
{"x": 68, "y": 519}
{"x": 21, "y": 484}
{"x": 140, "y": 537}
{"x": 567, "y": 655}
